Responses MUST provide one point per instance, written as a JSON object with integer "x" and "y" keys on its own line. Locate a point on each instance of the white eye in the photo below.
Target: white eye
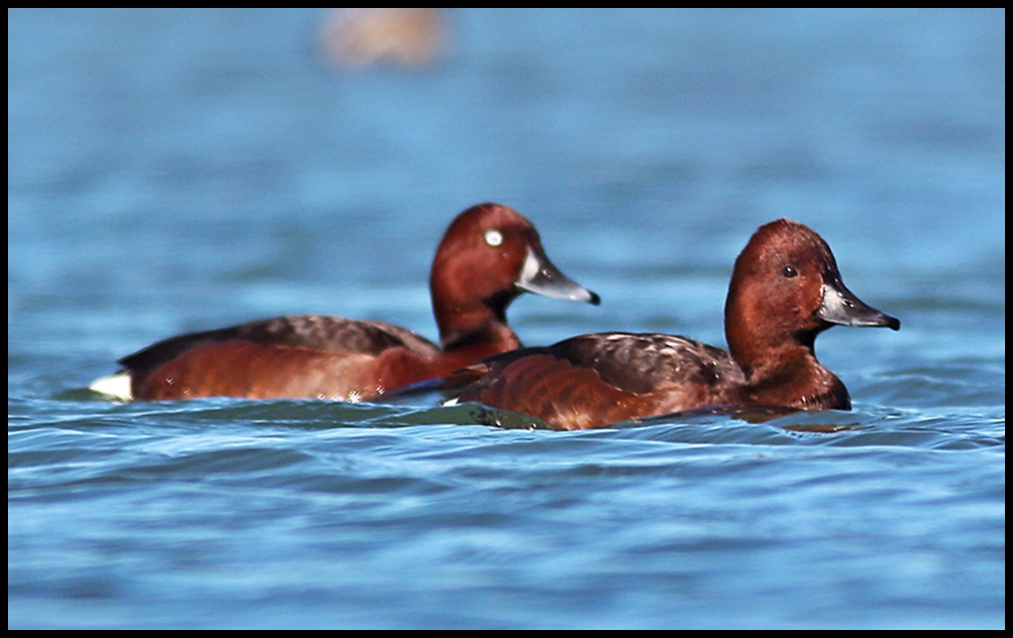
{"x": 493, "y": 237}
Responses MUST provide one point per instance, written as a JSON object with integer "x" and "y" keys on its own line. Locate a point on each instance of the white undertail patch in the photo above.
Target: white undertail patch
{"x": 115, "y": 386}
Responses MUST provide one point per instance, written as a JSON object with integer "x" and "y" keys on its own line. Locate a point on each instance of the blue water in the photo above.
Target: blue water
{"x": 179, "y": 170}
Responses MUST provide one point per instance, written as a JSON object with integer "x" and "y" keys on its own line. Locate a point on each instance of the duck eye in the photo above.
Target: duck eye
{"x": 789, "y": 271}
{"x": 493, "y": 237}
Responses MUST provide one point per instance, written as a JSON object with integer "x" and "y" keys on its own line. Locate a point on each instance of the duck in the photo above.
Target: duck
{"x": 785, "y": 290}
{"x": 489, "y": 255}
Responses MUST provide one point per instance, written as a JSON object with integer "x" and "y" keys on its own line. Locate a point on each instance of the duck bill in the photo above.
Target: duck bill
{"x": 842, "y": 307}
{"x": 541, "y": 277}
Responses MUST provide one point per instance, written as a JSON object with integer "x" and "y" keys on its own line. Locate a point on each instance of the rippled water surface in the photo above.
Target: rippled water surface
{"x": 175, "y": 171}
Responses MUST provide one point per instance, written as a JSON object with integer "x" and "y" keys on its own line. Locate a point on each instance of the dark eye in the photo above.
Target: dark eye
{"x": 789, "y": 271}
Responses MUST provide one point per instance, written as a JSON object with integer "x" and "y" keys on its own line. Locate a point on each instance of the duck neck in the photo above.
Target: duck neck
{"x": 791, "y": 376}
{"x": 478, "y": 325}
{"x": 779, "y": 364}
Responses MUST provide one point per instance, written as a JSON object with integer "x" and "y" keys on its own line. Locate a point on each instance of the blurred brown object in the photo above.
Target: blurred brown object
{"x": 403, "y": 37}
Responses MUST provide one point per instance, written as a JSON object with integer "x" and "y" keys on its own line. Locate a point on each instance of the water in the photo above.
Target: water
{"x": 176, "y": 171}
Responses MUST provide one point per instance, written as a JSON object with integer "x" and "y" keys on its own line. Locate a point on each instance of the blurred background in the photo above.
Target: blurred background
{"x": 178, "y": 170}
